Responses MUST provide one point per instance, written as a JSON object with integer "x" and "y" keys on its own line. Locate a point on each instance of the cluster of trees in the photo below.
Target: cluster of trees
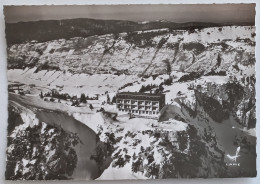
{"x": 213, "y": 72}
{"x": 173, "y": 46}
{"x": 56, "y": 94}
{"x": 158, "y": 89}
{"x": 121, "y": 161}
{"x": 46, "y": 66}
{"x": 148, "y": 87}
{"x": 105, "y": 149}
{"x": 168, "y": 81}
{"x": 162, "y": 42}
{"x": 126, "y": 85}
{"x": 82, "y": 99}
{"x": 190, "y": 77}
{"x": 249, "y": 79}
{"x": 65, "y": 96}
{"x": 136, "y": 165}
{"x": 119, "y": 72}
{"x": 152, "y": 169}
{"x": 144, "y": 39}
{"x": 109, "y": 101}
{"x": 194, "y": 46}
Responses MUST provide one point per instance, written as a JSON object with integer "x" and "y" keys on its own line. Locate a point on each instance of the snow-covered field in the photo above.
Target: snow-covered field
{"x": 74, "y": 84}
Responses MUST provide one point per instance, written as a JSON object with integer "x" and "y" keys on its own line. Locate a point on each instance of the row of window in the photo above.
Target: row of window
{"x": 143, "y": 96}
{"x": 135, "y": 101}
{"x": 139, "y": 112}
{"x": 146, "y": 109}
{"x": 135, "y": 106}
{"x": 140, "y": 103}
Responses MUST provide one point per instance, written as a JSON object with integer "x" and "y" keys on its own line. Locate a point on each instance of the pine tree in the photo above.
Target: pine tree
{"x": 134, "y": 156}
{"x": 83, "y": 98}
{"x": 142, "y": 149}
{"x": 218, "y": 61}
{"x": 142, "y": 89}
{"x": 114, "y": 99}
{"x": 52, "y": 93}
{"x": 168, "y": 81}
{"x": 41, "y": 95}
{"x": 161, "y": 87}
{"x": 135, "y": 166}
{"x": 108, "y": 99}
{"x": 168, "y": 66}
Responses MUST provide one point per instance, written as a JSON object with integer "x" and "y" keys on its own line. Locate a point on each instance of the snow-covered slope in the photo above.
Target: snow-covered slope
{"x": 142, "y": 52}
{"x": 207, "y": 76}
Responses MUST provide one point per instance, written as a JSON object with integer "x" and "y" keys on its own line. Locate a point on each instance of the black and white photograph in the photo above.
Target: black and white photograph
{"x": 130, "y": 92}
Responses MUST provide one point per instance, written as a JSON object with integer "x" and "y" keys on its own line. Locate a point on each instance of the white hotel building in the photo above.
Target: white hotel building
{"x": 143, "y": 104}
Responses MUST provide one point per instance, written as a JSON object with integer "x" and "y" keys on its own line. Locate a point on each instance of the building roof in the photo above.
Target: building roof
{"x": 140, "y": 96}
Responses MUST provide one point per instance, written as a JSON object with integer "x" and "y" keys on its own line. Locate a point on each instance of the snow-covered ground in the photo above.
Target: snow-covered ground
{"x": 98, "y": 71}
{"x": 73, "y": 84}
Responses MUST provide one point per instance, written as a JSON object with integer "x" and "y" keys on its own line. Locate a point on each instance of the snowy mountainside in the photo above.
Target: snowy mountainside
{"x": 207, "y": 76}
{"x": 74, "y": 84}
{"x": 33, "y": 152}
{"x": 142, "y": 52}
{"x": 146, "y": 149}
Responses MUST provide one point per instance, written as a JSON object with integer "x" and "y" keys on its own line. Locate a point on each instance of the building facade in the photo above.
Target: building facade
{"x": 142, "y": 104}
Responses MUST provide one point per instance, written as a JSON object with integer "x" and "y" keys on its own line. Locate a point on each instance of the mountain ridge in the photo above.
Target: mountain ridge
{"x": 47, "y": 30}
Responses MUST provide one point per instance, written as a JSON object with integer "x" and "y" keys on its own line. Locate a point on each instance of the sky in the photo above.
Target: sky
{"x": 176, "y": 13}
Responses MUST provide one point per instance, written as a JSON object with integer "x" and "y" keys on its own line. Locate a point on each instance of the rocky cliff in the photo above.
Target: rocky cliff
{"x": 142, "y": 52}
{"x": 36, "y": 150}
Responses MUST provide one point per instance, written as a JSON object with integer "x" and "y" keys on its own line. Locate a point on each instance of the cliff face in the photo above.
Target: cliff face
{"x": 142, "y": 53}
{"x": 235, "y": 98}
{"x": 226, "y": 112}
{"x": 36, "y": 150}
